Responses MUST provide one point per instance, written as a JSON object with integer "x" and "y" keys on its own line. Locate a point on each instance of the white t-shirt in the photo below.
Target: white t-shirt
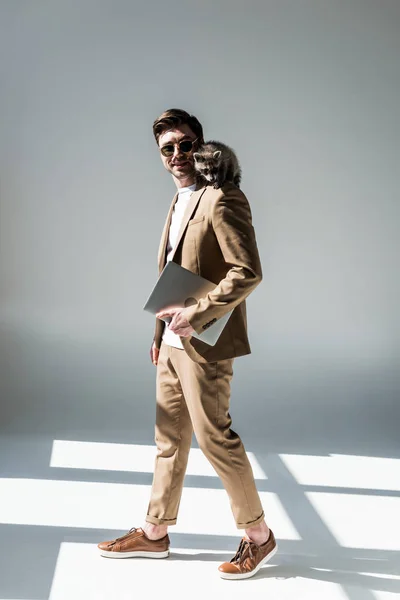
{"x": 169, "y": 337}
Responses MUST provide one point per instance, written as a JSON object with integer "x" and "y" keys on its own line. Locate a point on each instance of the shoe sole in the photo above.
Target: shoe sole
{"x": 137, "y": 554}
{"x": 254, "y": 571}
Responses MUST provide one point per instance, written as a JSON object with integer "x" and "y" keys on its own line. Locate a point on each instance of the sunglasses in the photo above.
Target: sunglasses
{"x": 185, "y": 146}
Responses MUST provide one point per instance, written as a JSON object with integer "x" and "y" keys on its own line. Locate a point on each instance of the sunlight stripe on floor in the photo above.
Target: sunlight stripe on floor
{"x": 120, "y": 506}
{"x": 340, "y": 470}
{"x": 81, "y": 573}
{"x": 360, "y": 521}
{"x": 128, "y": 457}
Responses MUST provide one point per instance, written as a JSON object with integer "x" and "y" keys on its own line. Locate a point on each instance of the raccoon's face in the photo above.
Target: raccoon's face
{"x": 207, "y": 164}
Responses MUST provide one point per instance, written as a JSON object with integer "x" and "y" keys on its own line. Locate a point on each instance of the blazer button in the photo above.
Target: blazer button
{"x": 209, "y": 323}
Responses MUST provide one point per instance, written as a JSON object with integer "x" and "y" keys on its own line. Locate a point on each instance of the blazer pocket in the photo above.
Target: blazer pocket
{"x": 196, "y": 220}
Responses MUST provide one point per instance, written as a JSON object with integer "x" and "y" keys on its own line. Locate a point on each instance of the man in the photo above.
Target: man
{"x": 208, "y": 231}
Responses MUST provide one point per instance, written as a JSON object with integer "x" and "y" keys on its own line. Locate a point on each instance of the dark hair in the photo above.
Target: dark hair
{"x": 172, "y": 118}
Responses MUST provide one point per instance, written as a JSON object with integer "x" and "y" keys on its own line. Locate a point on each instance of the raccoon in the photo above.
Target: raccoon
{"x": 215, "y": 163}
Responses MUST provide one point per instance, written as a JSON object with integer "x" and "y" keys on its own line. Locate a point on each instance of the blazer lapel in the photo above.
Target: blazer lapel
{"x": 164, "y": 236}
{"x": 194, "y": 200}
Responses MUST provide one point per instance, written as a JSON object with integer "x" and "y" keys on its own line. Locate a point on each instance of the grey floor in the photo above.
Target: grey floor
{"x": 335, "y": 518}
{"x": 76, "y": 468}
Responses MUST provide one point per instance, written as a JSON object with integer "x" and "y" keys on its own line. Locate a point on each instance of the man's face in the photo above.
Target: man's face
{"x": 179, "y": 164}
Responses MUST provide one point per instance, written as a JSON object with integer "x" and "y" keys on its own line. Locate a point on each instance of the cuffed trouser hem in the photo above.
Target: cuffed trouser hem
{"x": 157, "y": 521}
{"x": 251, "y": 523}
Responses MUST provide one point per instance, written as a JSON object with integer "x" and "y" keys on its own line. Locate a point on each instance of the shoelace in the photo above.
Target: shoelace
{"x": 132, "y": 530}
{"x": 245, "y": 547}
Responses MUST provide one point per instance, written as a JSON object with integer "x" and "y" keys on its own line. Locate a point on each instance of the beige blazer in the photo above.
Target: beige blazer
{"x": 217, "y": 241}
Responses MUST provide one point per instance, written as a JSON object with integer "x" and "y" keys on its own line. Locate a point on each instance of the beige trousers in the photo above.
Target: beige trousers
{"x": 195, "y": 396}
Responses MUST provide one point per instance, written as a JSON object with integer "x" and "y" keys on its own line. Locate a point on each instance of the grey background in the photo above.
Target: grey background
{"x": 307, "y": 92}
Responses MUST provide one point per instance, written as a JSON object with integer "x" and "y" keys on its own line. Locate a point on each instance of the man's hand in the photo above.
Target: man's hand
{"x": 154, "y": 352}
{"x": 178, "y": 324}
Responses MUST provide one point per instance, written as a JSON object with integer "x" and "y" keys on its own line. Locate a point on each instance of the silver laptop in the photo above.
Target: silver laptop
{"x": 178, "y": 286}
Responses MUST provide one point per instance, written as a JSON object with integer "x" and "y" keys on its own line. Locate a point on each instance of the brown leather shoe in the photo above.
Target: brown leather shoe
{"x": 249, "y": 558}
{"x": 135, "y": 543}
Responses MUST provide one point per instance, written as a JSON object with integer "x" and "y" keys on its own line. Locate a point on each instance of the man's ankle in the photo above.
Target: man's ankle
{"x": 259, "y": 533}
{"x": 155, "y": 532}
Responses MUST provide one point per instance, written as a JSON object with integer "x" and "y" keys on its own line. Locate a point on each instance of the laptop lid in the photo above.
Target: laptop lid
{"x": 177, "y": 286}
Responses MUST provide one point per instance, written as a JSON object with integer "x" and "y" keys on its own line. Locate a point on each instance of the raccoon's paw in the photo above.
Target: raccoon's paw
{"x": 216, "y": 185}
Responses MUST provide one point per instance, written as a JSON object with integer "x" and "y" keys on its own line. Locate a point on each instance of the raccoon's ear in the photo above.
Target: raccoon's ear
{"x": 196, "y": 156}
{"x": 217, "y": 154}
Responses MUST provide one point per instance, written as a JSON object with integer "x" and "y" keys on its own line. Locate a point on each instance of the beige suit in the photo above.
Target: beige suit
{"x": 217, "y": 241}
